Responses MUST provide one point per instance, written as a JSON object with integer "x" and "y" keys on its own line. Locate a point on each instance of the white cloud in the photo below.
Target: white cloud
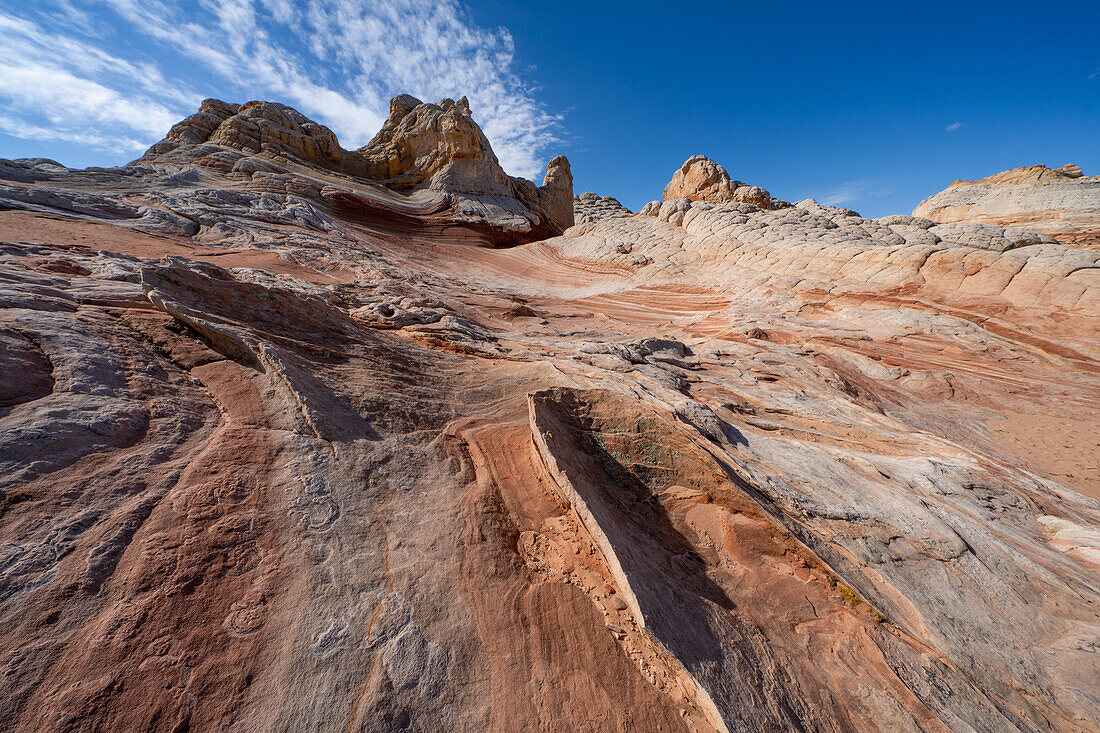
{"x": 62, "y": 96}
{"x": 58, "y": 88}
{"x": 955, "y": 126}
{"x": 26, "y": 131}
{"x": 337, "y": 61}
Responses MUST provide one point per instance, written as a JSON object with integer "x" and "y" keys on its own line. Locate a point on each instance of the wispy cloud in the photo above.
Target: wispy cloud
{"x": 1094, "y": 74}
{"x": 851, "y": 193}
{"x": 955, "y": 126}
{"x": 27, "y": 131}
{"x": 57, "y": 87}
{"x": 130, "y": 68}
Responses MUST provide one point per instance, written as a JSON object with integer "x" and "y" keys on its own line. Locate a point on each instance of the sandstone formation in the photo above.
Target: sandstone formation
{"x": 701, "y": 179}
{"x": 556, "y": 192}
{"x": 1061, "y": 203}
{"x": 589, "y": 208}
{"x": 425, "y": 148}
{"x": 279, "y": 453}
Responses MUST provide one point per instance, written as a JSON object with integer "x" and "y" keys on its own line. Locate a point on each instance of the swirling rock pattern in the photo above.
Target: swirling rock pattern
{"x": 288, "y": 455}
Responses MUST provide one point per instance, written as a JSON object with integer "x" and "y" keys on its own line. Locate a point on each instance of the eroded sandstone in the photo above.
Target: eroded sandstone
{"x": 288, "y": 455}
{"x": 701, "y": 179}
{"x": 436, "y": 149}
{"x": 1061, "y": 203}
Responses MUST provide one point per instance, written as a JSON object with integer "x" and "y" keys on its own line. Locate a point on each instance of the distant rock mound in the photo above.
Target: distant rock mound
{"x": 421, "y": 147}
{"x": 589, "y": 208}
{"x": 1058, "y": 202}
{"x": 701, "y": 179}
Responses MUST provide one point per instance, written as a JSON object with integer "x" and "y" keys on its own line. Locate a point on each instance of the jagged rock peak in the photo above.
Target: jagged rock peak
{"x": 1070, "y": 170}
{"x": 437, "y": 146}
{"x": 257, "y": 128}
{"x": 701, "y": 179}
{"x": 420, "y": 146}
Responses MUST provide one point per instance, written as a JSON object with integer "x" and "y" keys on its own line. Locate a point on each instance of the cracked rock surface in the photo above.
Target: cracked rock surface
{"x": 296, "y": 453}
{"x": 1061, "y": 203}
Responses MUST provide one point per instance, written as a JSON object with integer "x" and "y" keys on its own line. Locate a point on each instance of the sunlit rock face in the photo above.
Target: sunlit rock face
{"x": 701, "y": 179}
{"x": 435, "y": 155}
{"x": 1061, "y": 203}
{"x": 280, "y": 451}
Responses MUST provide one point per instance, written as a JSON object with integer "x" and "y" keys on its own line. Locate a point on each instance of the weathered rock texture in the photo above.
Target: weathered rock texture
{"x": 1061, "y": 203}
{"x": 421, "y": 148}
{"x": 701, "y": 179}
{"x": 277, "y": 453}
{"x": 589, "y": 208}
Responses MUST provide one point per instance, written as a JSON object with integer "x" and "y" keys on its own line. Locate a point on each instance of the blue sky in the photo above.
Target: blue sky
{"x": 872, "y": 106}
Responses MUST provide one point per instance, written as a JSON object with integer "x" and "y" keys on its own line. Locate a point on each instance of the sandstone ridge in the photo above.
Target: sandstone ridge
{"x": 1060, "y": 202}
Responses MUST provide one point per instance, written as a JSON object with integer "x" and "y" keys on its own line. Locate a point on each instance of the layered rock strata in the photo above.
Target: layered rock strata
{"x": 277, "y": 459}
{"x": 436, "y": 150}
{"x": 1061, "y": 203}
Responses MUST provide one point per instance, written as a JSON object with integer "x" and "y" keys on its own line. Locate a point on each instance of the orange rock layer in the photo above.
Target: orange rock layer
{"x": 280, "y": 450}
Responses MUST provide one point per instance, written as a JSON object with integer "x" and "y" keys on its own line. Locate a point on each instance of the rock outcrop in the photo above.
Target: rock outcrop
{"x": 589, "y": 208}
{"x": 276, "y": 454}
{"x": 421, "y": 147}
{"x": 701, "y": 179}
{"x": 556, "y": 192}
{"x": 1061, "y": 203}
